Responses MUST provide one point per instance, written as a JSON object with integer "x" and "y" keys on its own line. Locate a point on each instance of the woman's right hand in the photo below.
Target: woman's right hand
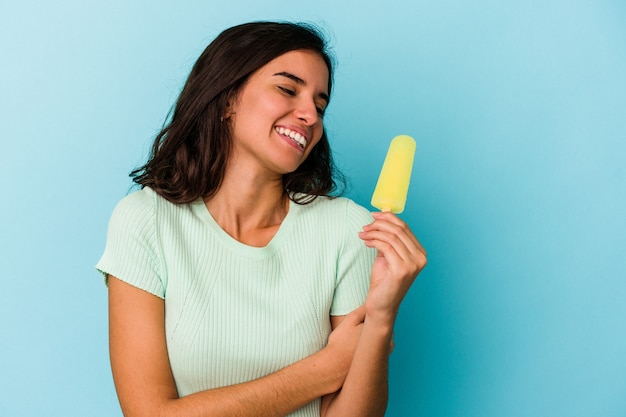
{"x": 344, "y": 339}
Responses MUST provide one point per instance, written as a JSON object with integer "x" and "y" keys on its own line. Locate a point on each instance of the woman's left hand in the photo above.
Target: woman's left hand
{"x": 400, "y": 259}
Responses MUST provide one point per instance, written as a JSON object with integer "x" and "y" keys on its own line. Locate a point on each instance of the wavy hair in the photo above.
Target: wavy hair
{"x": 189, "y": 155}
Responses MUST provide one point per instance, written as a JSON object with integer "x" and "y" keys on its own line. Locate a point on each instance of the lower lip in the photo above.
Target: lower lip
{"x": 291, "y": 142}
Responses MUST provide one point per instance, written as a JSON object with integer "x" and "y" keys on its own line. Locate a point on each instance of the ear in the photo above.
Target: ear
{"x": 227, "y": 116}
{"x": 229, "y": 110}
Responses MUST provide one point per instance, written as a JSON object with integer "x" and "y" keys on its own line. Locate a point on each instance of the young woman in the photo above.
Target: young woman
{"x": 237, "y": 286}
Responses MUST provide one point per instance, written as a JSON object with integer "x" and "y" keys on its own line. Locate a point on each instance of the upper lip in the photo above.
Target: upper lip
{"x": 303, "y": 132}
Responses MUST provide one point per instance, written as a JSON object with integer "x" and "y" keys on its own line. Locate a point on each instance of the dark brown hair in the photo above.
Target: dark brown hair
{"x": 189, "y": 155}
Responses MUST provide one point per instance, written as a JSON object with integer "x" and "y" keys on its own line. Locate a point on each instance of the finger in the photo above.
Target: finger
{"x": 357, "y": 315}
{"x": 383, "y": 219}
{"x": 407, "y": 260}
{"x": 387, "y": 250}
{"x": 406, "y": 247}
{"x": 387, "y": 215}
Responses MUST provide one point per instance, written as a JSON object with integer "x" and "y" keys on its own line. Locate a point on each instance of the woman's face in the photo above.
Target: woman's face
{"x": 277, "y": 115}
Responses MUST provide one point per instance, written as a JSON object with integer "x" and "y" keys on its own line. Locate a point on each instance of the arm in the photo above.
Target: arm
{"x": 400, "y": 259}
{"x": 146, "y": 387}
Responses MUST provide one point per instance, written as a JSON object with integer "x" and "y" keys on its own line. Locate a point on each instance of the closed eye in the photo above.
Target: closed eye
{"x": 292, "y": 93}
{"x": 287, "y": 91}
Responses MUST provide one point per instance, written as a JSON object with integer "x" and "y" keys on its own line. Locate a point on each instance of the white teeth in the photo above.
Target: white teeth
{"x": 295, "y": 136}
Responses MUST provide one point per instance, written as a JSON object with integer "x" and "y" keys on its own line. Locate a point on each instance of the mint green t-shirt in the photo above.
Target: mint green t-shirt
{"x": 234, "y": 313}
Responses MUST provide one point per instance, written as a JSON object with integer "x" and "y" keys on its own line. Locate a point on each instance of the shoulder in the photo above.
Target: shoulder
{"x": 142, "y": 202}
{"x": 133, "y": 250}
{"x": 140, "y": 210}
{"x": 343, "y": 204}
{"x": 137, "y": 201}
{"x": 339, "y": 210}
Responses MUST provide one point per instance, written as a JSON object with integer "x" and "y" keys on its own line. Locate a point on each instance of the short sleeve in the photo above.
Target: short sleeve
{"x": 354, "y": 264}
{"x": 132, "y": 253}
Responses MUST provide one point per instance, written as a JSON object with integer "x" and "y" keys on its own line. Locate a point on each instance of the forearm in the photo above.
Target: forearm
{"x": 399, "y": 260}
{"x": 365, "y": 390}
{"x": 145, "y": 384}
{"x": 276, "y": 394}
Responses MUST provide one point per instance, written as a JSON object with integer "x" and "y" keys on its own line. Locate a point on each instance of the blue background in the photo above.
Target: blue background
{"x": 518, "y": 192}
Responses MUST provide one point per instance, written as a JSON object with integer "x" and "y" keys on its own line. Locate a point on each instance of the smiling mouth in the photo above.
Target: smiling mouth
{"x": 294, "y": 136}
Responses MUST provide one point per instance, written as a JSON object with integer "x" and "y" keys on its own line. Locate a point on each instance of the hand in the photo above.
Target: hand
{"x": 343, "y": 341}
{"x": 400, "y": 259}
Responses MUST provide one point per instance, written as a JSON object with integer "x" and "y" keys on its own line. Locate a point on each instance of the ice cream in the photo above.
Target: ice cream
{"x": 393, "y": 182}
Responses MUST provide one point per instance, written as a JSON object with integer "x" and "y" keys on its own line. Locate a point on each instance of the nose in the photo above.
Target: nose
{"x": 306, "y": 111}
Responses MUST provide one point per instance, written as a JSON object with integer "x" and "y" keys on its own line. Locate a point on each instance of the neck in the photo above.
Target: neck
{"x": 249, "y": 207}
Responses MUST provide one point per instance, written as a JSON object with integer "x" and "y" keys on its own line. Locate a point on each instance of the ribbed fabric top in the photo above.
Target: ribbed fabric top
{"x": 233, "y": 312}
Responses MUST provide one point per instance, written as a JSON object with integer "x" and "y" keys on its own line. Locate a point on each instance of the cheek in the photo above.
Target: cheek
{"x": 318, "y": 137}
{"x": 318, "y": 132}
{"x": 255, "y": 107}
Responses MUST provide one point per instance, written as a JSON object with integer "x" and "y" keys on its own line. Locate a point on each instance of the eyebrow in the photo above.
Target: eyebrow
{"x": 300, "y": 81}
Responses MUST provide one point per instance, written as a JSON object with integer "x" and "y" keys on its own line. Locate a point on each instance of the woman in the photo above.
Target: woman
{"x": 236, "y": 285}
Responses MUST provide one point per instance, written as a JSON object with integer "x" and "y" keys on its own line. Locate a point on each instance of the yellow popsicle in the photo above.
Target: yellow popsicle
{"x": 393, "y": 182}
